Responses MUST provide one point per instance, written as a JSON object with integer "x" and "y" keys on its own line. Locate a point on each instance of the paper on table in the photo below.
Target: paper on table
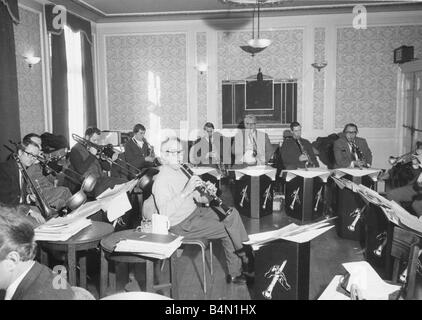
{"x": 307, "y": 235}
{"x": 84, "y": 211}
{"x": 117, "y": 206}
{"x": 256, "y": 171}
{"x": 368, "y": 281}
{"x": 310, "y": 173}
{"x": 332, "y": 292}
{"x": 202, "y": 170}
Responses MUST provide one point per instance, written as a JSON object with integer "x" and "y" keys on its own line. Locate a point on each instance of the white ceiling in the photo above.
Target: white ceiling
{"x": 136, "y": 10}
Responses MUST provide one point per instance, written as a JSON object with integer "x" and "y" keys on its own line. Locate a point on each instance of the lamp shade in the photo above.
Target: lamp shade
{"x": 259, "y": 43}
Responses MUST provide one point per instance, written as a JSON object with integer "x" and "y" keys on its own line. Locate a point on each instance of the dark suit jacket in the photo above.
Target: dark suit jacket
{"x": 290, "y": 153}
{"x": 10, "y": 191}
{"x": 38, "y": 285}
{"x": 265, "y": 149}
{"x": 343, "y": 155}
{"x": 84, "y": 162}
{"x": 136, "y": 156}
{"x": 197, "y": 154}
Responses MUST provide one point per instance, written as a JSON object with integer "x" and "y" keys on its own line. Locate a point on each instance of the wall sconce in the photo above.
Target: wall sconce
{"x": 31, "y": 60}
{"x": 202, "y": 67}
{"x": 319, "y": 65}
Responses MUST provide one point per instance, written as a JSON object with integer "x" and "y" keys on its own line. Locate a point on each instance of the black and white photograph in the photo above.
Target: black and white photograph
{"x": 220, "y": 151}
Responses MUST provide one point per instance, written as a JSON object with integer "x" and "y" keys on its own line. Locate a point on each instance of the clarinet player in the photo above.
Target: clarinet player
{"x": 297, "y": 152}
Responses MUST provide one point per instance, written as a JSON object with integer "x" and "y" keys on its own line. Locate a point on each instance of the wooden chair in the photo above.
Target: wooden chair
{"x": 203, "y": 244}
{"x": 405, "y": 248}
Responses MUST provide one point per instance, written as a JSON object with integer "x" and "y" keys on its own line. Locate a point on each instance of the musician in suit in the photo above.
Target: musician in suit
{"x": 207, "y": 149}
{"x": 351, "y": 151}
{"x": 297, "y": 152}
{"x": 138, "y": 152}
{"x": 56, "y": 196}
{"x": 251, "y": 146}
{"x": 21, "y": 277}
{"x": 85, "y": 161}
{"x": 13, "y": 187}
{"x": 176, "y": 197}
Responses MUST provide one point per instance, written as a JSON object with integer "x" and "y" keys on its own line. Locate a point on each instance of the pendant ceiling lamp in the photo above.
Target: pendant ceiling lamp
{"x": 256, "y": 44}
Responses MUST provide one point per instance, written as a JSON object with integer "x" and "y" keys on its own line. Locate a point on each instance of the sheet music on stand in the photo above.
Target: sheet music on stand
{"x": 292, "y": 232}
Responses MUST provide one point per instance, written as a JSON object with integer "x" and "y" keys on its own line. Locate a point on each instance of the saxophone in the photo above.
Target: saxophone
{"x": 303, "y": 151}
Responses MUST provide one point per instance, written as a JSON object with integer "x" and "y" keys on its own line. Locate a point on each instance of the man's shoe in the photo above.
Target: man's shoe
{"x": 236, "y": 280}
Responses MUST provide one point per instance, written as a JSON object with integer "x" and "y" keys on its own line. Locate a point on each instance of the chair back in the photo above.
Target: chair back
{"x": 82, "y": 294}
{"x": 136, "y": 296}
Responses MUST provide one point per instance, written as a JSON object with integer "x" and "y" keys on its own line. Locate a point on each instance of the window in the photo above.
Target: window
{"x": 74, "y": 83}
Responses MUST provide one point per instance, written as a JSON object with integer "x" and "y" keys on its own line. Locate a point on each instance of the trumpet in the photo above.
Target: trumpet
{"x": 295, "y": 196}
{"x": 319, "y": 196}
{"x": 403, "y": 159}
{"x": 267, "y": 196}
{"x": 205, "y": 191}
{"x": 277, "y": 275}
{"x": 244, "y": 195}
{"x": 378, "y": 250}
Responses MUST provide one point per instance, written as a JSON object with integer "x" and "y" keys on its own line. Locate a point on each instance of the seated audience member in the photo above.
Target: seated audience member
{"x": 177, "y": 197}
{"x": 85, "y": 161}
{"x": 56, "y": 197}
{"x": 251, "y": 146}
{"x": 13, "y": 186}
{"x": 351, "y": 151}
{"x": 297, "y": 152}
{"x": 138, "y": 152}
{"x": 21, "y": 277}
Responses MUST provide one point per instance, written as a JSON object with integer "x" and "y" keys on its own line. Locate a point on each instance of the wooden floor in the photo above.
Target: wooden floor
{"x": 328, "y": 252}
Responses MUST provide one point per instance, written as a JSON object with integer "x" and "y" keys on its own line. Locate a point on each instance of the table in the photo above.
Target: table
{"x": 348, "y": 201}
{"x": 253, "y": 190}
{"x": 107, "y": 254}
{"x": 304, "y": 193}
{"x": 88, "y": 238}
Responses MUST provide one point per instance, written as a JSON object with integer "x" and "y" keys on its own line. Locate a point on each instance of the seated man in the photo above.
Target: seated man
{"x": 207, "y": 149}
{"x": 138, "y": 152}
{"x": 13, "y": 185}
{"x": 412, "y": 191}
{"x": 250, "y": 146}
{"x": 297, "y": 152}
{"x": 56, "y": 196}
{"x": 85, "y": 161}
{"x": 177, "y": 198}
{"x": 21, "y": 277}
{"x": 351, "y": 151}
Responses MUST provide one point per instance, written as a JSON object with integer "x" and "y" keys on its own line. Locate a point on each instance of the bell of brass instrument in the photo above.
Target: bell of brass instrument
{"x": 42, "y": 204}
{"x": 295, "y": 196}
{"x": 244, "y": 196}
{"x": 204, "y": 190}
{"x": 403, "y": 159}
{"x": 267, "y": 196}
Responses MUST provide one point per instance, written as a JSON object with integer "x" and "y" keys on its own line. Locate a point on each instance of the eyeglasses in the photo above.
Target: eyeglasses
{"x": 174, "y": 151}
{"x": 352, "y": 132}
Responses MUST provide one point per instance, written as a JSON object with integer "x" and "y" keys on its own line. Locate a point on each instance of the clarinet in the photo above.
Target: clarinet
{"x": 303, "y": 151}
{"x": 206, "y": 192}
{"x": 360, "y": 155}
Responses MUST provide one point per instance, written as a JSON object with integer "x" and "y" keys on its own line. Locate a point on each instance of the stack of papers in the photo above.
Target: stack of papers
{"x": 152, "y": 245}
{"x": 292, "y": 232}
{"x": 60, "y": 229}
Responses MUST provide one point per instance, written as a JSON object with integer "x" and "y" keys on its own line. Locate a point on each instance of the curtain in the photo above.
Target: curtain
{"x": 9, "y": 102}
{"x": 59, "y": 71}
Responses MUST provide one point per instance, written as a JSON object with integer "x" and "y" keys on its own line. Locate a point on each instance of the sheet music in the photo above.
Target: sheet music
{"x": 123, "y": 187}
{"x": 116, "y": 206}
{"x": 310, "y": 173}
{"x": 358, "y": 172}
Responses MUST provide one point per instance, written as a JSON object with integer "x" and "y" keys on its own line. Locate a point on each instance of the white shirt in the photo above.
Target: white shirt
{"x": 139, "y": 143}
{"x": 12, "y": 288}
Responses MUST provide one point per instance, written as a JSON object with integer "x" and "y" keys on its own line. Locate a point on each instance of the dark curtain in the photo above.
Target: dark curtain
{"x": 88, "y": 83}
{"x": 59, "y": 71}
{"x": 9, "y": 102}
{"x": 59, "y": 98}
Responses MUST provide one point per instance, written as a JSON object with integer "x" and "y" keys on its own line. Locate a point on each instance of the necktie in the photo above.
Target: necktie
{"x": 254, "y": 146}
{"x": 210, "y": 150}
{"x": 354, "y": 151}
{"x": 24, "y": 191}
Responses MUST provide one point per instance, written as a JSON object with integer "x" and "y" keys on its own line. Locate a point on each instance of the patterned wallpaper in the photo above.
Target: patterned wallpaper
{"x": 282, "y": 59}
{"x": 30, "y": 85}
{"x": 319, "y": 78}
{"x": 201, "y": 57}
{"x": 366, "y": 76}
{"x": 146, "y": 79}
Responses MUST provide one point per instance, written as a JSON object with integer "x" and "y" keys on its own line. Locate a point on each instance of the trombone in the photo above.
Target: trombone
{"x": 108, "y": 151}
{"x": 403, "y": 159}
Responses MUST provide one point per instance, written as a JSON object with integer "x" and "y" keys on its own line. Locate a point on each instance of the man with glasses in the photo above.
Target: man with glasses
{"x": 351, "y": 151}
{"x": 252, "y": 147}
{"x": 177, "y": 198}
{"x": 13, "y": 186}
